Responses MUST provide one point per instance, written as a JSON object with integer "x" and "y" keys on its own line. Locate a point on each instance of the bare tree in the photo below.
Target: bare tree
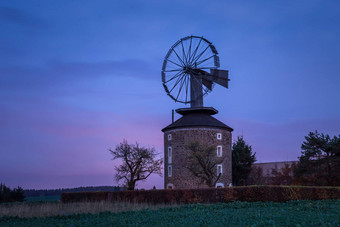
{"x": 138, "y": 163}
{"x": 283, "y": 176}
{"x": 202, "y": 163}
{"x": 256, "y": 177}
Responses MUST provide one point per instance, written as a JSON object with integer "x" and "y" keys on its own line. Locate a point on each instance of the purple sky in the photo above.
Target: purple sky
{"x": 78, "y": 77}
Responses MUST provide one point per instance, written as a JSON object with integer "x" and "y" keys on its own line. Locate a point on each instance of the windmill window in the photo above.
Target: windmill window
{"x": 169, "y": 171}
{"x": 219, "y": 151}
{"x": 169, "y": 155}
{"x": 219, "y": 185}
{"x": 219, "y": 136}
{"x": 170, "y": 186}
{"x": 219, "y": 169}
{"x": 169, "y": 137}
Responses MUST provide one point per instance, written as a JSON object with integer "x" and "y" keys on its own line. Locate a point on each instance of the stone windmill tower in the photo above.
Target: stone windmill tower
{"x": 186, "y": 80}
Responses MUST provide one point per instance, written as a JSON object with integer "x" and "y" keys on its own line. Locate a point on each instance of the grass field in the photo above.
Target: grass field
{"x": 47, "y": 209}
{"x": 293, "y": 213}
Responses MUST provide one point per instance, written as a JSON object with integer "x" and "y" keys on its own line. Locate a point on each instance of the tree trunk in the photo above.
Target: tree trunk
{"x": 131, "y": 185}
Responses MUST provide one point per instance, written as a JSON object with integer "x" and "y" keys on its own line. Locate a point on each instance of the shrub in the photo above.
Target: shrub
{"x": 8, "y": 195}
{"x": 84, "y": 196}
{"x": 209, "y": 195}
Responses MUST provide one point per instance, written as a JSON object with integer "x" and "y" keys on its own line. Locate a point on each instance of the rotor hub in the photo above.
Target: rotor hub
{"x": 188, "y": 69}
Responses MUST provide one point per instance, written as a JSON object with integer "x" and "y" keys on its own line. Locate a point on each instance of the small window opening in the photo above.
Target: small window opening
{"x": 170, "y": 186}
{"x": 219, "y": 136}
{"x": 169, "y": 155}
{"x": 169, "y": 137}
{"x": 219, "y": 169}
{"x": 219, "y": 151}
{"x": 169, "y": 171}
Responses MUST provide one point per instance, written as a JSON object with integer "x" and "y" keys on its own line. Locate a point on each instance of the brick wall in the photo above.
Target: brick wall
{"x": 181, "y": 177}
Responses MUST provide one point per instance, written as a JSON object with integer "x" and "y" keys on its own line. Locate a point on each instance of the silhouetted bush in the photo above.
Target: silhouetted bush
{"x": 8, "y": 195}
{"x": 209, "y": 195}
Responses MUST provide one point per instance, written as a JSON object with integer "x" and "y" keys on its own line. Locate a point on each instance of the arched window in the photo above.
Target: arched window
{"x": 170, "y": 186}
{"x": 219, "y": 185}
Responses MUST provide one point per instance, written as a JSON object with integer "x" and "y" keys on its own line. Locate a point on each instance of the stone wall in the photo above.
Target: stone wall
{"x": 180, "y": 138}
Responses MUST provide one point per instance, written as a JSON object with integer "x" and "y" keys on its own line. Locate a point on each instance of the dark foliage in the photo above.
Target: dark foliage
{"x": 243, "y": 158}
{"x": 8, "y": 195}
{"x": 202, "y": 163}
{"x": 283, "y": 176}
{"x": 49, "y": 192}
{"x": 209, "y": 195}
{"x": 319, "y": 163}
{"x": 256, "y": 177}
{"x": 138, "y": 163}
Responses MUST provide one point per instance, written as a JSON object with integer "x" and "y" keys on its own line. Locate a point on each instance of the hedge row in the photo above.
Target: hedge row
{"x": 211, "y": 195}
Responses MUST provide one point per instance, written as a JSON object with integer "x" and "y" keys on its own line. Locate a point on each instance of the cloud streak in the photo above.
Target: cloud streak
{"x": 56, "y": 73}
{"x": 20, "y": 17}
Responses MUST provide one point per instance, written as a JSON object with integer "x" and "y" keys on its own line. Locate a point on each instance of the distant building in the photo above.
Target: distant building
{"x": 264, "y": 173}
{"x": 267, "y": 167}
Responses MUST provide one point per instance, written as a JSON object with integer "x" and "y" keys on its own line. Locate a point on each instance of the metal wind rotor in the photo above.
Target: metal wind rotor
{"x": 184, "y": 72}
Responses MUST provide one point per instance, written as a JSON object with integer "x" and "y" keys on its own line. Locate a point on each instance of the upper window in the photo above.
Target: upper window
{"x": 219, "y": 169}
{"x": 219, "y": 136}
{"x": 219, "y": 151}
{"x": 169, "y": 171}
{"x": 169, "y": 155}
{"x": 169, "y": 136}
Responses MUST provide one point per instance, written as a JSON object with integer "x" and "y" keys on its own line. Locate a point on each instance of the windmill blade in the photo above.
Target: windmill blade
{"x": 215, "y": 76}
{"x": 207, "y": 83}
{"x": 220, "y": 77}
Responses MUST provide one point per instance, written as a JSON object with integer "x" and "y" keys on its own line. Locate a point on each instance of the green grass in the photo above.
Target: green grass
{"x": 293, "y": 213}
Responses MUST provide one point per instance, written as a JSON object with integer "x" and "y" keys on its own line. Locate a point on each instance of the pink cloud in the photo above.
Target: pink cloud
{"x": 70, "y": 143}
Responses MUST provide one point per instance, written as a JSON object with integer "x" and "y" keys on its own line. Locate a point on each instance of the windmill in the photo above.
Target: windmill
{"x": 190, "y": 70}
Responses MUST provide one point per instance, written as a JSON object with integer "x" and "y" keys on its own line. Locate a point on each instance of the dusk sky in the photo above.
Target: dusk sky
{"x": 78, "y": 77}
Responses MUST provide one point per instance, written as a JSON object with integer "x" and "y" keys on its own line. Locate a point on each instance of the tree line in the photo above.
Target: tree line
{"x": 48, "y": 192}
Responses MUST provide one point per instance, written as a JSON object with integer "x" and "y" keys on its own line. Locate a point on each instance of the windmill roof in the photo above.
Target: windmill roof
{"x": 197, "y": 117}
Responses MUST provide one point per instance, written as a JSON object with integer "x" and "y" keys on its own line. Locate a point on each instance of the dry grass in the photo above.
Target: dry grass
{"x": 54, "y": 209}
